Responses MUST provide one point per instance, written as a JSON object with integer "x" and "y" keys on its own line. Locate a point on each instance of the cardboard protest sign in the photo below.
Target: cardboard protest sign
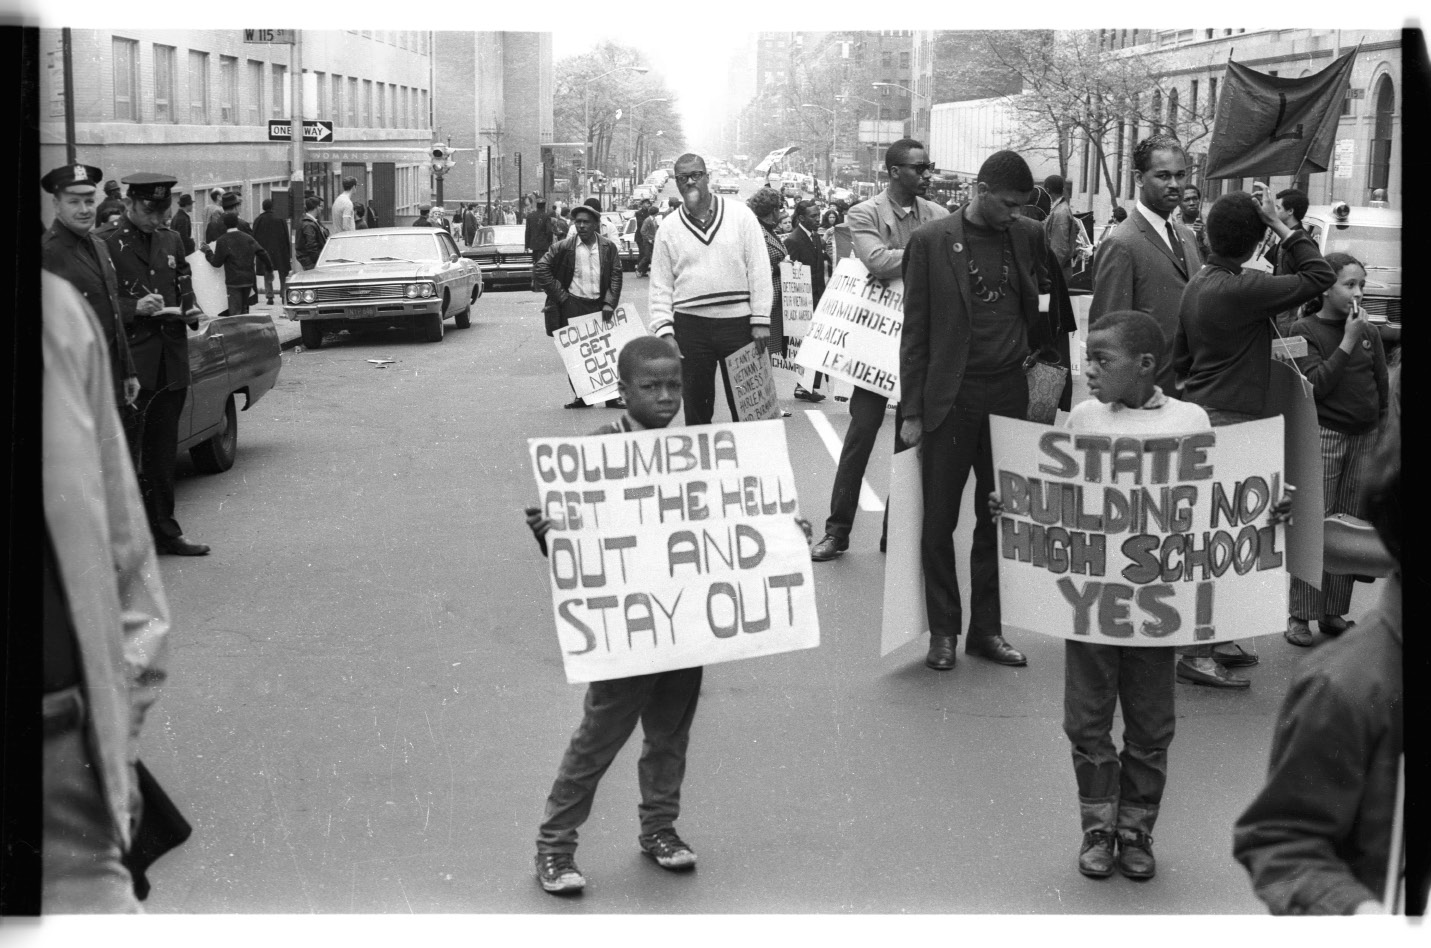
{"x": 589, "y": 347}
{"x": 752, "y": 383}
{"x": 210, "y": 293}
{"x": 796, "y": 310}
{"x": 1289, "y": 394}
{"x": 673, "y": 548}
{"x": 1123, "y": 540}
{"x": 854, "y": 334}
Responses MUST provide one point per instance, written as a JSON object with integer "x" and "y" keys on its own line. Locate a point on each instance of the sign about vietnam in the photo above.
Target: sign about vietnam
{"x": 673, "y": 548}
{"x": 1140, "y": 540}
{"x": 752, "y": 383}
{"x": 854, "y": 334}
{"x": 589, "y": 347}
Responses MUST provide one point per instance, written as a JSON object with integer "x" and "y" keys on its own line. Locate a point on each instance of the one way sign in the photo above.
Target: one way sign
{"x": 313, "y": 131}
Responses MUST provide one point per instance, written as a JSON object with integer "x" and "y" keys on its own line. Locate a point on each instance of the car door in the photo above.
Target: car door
{"x": 208, "y": 380}
{"x": 457, "y": 275}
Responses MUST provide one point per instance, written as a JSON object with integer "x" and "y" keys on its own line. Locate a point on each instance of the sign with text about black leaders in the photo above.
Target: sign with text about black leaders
{"x": 1140, "y": 540}
{"x": 673, "y": 548}
{"x": 589, "y": 346}
{"x": 752, "y": 383}
{"x": 855, "y": 332}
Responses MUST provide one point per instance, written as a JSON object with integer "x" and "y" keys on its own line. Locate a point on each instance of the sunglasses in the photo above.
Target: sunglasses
{"x": 693, "y": 176}
{"x": 919, "y": 168}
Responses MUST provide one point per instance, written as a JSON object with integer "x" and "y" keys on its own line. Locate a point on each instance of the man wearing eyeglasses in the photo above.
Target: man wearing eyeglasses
{"x": 710, "y": 284}
{"x": 880, "y": 229}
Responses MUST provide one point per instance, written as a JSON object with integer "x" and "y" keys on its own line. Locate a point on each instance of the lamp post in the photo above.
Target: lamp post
{"x": 895, "y": 85}
{"x": 586, "y": 97}
{"x": 631, "y": 135}
{"x": 879, "y": 123}
{"x": 830, "y": 159}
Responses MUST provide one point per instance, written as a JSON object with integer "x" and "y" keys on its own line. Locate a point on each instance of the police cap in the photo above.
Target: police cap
{"x": 78, "y": 178}
{"x": 156, "y": 189}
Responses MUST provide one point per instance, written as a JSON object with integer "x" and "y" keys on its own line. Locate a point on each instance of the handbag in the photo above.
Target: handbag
{"x": 1046, "y": 381}
{"x": 161, "y": 828}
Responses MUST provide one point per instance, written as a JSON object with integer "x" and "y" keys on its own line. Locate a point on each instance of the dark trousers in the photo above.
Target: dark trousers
{"x": 961, "y": 442}
{"x": 238, "y": 299}
{"x": 665, "y": 704}
{"x": 268, "y": 284}
{"x": 152, "y": 430}
{"x": 866, "y": 415}
{"x": 1096, "y": 678}
{"x": 643, "y": 262}
{"x": 704, "y": 343}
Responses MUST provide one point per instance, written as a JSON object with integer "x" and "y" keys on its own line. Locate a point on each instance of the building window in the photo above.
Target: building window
{"x": 886, "y": 58}
{"x": 335, "y": 107}
{"x": 126, "y": 79}
{"x": 1379, "y": 174}
{"x": 198, "y": 88}
{"x": 884, "y": 89}
{"x": 255, "y": 92}
{"x": 352, "y": 103}
{"x": 1212, "y": 99}
{"x": 367, "y": 108}
{"x": 164, "y": 83}
{"x": 279, "y": 74}
{"x": 381, "y": 109}
{"x": 228, "y": 90}
{"x": 319, "y": 90}
{"x": 422, "y": 121}
{"x": 1173, "y": 112}
{"x": 904, "y": 60}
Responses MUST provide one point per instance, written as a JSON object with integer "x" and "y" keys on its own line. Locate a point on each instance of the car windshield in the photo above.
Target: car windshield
{"x": 380, "y": 246}
{"x": 505, "y": 234}
{"x": 1374, "y": 246}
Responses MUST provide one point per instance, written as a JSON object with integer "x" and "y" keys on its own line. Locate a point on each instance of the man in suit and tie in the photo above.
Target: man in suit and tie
{"x": 879, "y": 230}
{"x": 1147, "y": 260}
{"x": 972, "y": 320}
{"x": 804, "y": 245}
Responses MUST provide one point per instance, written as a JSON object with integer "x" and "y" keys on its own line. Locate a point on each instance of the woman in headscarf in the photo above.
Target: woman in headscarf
{"x": 769, "y": 208}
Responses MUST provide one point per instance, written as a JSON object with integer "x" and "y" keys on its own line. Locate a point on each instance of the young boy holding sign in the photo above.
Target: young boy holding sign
{"x": 1119, "y": 794}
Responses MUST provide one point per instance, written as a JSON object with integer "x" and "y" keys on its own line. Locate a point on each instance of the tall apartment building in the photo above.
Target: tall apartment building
{"x": 196, "y": 104}
{"x": 493, "y": 90}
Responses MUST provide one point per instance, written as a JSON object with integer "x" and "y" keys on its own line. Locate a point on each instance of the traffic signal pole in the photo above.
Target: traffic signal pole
{"x": 295, "y": 177}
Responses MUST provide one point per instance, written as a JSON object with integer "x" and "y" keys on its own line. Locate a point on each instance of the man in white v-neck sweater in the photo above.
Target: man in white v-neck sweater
{"x": 710, "y": 284}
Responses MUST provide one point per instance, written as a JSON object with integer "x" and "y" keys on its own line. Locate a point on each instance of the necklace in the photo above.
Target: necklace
{"x": 981, "y": 290}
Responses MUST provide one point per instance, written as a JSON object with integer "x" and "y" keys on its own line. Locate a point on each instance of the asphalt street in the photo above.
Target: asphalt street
{"x": 366, "y": 703}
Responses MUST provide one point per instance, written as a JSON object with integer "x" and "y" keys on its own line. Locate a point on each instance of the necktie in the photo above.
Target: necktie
{"x": 1177, "y": 246}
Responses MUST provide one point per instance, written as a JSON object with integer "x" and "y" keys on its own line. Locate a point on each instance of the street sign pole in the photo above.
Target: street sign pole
{"x": 295, "y": 123}
{"x": 519, "y": 181}
{"x": 69, "y": 81}
{"x": 489, "y": 183}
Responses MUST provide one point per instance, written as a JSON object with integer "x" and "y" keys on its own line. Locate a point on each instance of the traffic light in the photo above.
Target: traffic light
{"x": 441, "y": 157}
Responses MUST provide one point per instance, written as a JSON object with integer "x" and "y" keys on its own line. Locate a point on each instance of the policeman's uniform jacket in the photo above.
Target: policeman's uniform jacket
{"x": 145, "y": 263}
{"x": 85, "y": 263}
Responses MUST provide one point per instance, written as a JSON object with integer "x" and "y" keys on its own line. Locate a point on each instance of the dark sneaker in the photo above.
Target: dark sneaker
{"x": 1135, "y": 854}
{"x": 1095, "y": 859}
{"x": 666, "y": 848}
{"x": 557, "y": 873}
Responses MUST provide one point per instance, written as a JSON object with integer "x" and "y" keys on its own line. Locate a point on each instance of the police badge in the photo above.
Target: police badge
{"x": 172, "y": 265}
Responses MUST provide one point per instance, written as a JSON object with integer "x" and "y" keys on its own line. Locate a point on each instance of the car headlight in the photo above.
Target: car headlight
{"x": 308, "y": 296}
{"x": 293, "y": 296}
{"x": 411, "y": 291}
{"x": 427, "y": 290}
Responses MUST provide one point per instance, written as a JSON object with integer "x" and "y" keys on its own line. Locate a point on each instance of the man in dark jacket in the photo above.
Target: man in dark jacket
{"x": 112, "y": 201}
{"x": 804, "y": 245}
{"x": 240, "y": 255}
{"x": 581, "y": 275}
{"x": 215, "y": 229}
{"x": 271, "y": 232}
{"x": 469, "y": 226}
{"x": 538, "y": 238}
{"x": 312, "y": 235}
{"x": 424, "y": 217}
{"x": 183, "y": 225}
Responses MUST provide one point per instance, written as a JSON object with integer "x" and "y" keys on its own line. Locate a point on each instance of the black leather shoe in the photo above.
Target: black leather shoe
{"x": 942, "y": 652}
{"x": 1095, "y": 859}
{"x": 1135, "y": 854}
{"x": 995, "y": 649}
{"x": 1237, "y": 657}
{"x": 1216, "y": 677}
{"x": 179, "y": 546}
{"x": 576, "y": 403}
{"x": 615, "y": 403}
{"x": 804, "y": 394}
{"x": 828, "y": 548}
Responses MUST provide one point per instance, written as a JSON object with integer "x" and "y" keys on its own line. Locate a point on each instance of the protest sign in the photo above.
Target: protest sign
{"x": 752, "y": 383}
{"x": 796, "y": 309}
{"x": 589, "y": 347}
{"x": 673, "y": 548}
{"x": 854, "y": 334}
{"x": 1289, "y": 394}
{"x": 210, "y": 293}
{"x": 1149, "y": 540}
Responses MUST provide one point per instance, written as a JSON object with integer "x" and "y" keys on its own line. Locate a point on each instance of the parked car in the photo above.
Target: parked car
{"x": 391, "y": 276}
{"x": 726, "y": 185}
{"x": 639, "y": 193}
{"x": 1373, "y": 236}
{"x": 627, "y": 245}
{"x": 657, "y": 179}
{"x": 229, "y": 356}
{"x": 501, "y": 251}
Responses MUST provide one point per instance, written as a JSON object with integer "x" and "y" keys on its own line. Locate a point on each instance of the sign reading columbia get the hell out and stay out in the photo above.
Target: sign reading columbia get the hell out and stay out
{"x": 1140, "y": 540}
{"x": 673, "y": 548}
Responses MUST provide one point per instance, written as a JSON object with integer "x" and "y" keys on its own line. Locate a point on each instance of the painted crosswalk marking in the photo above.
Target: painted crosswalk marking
{"x": 869, "y": 500}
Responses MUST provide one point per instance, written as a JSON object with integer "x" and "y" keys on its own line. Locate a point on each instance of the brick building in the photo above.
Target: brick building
{"x": 493, "y": 90}
{"x": 196, "y": 104}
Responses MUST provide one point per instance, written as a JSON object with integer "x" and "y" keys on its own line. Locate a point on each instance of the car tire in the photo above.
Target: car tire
{"x": 217, "y": 454}
{"x": 434, "y": 327}
{"x": 463, "y": 320}
{"x": 312, "y": 333}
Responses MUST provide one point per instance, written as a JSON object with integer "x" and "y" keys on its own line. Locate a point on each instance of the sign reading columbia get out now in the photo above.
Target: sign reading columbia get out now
{"x": 1147, "y": 540}
{"x": 673, "y": 548}
{"x": 854, "y": 334}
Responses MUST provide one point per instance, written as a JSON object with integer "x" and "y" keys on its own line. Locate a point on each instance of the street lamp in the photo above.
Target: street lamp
{"x": 586, "y": 100}
{"x": 895, "y": 85}
{"x": 830, "y": 159}
{"x": 879, "y": 123}
{"x": 631, "y": 135}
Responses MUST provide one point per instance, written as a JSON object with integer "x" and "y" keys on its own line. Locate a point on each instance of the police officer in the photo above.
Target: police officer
{"x": 112, "y": 200}
{"x": 70, "y": 250}
{"x": 156, "y": 301}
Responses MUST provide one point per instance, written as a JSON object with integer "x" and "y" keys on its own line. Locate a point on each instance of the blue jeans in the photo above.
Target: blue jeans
{"x": 1095, "y": 679}
{"x": 665, "y": 704}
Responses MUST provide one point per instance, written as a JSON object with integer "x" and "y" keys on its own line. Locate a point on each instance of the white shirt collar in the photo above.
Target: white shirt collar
{"x": 1160, "y": 224}
{"x": 1155, "y": 400}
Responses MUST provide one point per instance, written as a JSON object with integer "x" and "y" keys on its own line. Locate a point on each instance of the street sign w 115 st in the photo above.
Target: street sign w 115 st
{"x": 270, "y": 36}
{"x": 313, "y": 131}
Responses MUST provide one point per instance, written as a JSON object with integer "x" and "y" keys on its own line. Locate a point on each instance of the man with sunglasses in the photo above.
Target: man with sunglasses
{"x": 710, "y": 283}
{"x": 879, "y": 229}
